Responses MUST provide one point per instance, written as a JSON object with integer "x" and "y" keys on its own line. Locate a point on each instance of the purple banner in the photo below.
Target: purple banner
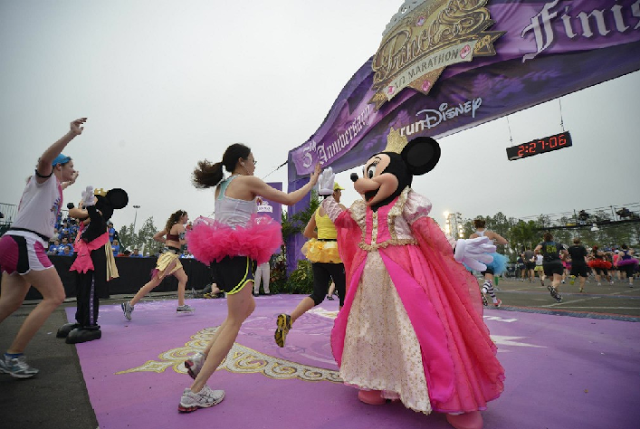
{"x": 523, "y": 53}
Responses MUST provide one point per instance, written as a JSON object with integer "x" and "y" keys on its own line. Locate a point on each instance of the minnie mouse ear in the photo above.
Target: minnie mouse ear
{"x": 117, "y": 198}
{"x": 421, "y": 155}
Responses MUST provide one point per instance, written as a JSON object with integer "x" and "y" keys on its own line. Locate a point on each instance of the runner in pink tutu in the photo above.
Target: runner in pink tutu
{"x": 232, "y": 244}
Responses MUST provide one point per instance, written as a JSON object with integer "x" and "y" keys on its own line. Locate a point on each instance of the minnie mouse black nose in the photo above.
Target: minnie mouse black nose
{"x": 354, "y": 177}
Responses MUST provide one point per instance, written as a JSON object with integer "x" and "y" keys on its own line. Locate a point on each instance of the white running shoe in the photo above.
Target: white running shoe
{"x": 205, "y": 398}
{"x": 17, "y": 367}
{"x": 127, "y": 309}
{"x": 194, "y": 364}
{"x": 185, "y": 309}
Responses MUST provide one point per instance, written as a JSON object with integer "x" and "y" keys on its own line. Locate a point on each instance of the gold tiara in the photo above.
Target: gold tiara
{"x": 99, "y": 192}
{"x": 395, "y": 142}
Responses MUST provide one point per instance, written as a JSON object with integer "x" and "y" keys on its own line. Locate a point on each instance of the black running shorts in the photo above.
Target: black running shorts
{"x": 232, "y": 273}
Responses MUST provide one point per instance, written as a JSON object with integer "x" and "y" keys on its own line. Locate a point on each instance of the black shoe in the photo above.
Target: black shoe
{"x": 256, "y": 294}
{"x": 84, "y": 334}
{"x": 554, "y": 293}
{"x": 64, "y": 330}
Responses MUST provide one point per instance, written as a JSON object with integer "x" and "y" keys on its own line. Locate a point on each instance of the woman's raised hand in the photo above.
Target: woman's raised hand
{"x": 316, "y": 172}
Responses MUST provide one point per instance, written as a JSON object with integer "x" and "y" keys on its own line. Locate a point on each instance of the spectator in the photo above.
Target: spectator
{"x": 63, "y": 244}
{"x": 135, "y": 254}
{"x": 67, "y": 251}
{"x": 113, "y": 234}
{"x": 63, "y": 232}
{"x": 115, "y": 246}
{"x": 53, "y": 248}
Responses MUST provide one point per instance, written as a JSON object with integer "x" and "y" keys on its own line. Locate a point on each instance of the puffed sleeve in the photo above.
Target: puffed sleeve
{"x": 416, "y": 206}
{"x": 332, "y": 208}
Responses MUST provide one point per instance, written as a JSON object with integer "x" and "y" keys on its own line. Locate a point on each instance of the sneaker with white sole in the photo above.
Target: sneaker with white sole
{"x": 17, "y": 367}
{"x": 194, "y": 364}
{"x": 184, "y": 309}
{"x": 127, "y": 309}
{"x": 205, "y": 398}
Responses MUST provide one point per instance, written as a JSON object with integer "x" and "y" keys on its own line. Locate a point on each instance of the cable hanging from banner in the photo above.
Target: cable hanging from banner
{"x": 276, "y": 169}
{"x": 509, "y": 126}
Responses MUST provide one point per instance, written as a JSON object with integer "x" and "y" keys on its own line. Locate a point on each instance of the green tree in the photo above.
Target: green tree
{"x": 143, "y": 238}
{"x": 295, "y": 224}
{"x": 127, "y": 239}
{"x": 523, "y": 234}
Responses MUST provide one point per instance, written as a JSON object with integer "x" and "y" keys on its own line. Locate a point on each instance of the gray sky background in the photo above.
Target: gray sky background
{"x": 165, "y": 84}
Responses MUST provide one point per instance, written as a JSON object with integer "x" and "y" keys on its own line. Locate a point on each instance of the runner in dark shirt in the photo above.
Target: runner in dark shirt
{"x": 530, "y": 262}
{"x": 552, "y": 264}
{"x": 579, "y": 267}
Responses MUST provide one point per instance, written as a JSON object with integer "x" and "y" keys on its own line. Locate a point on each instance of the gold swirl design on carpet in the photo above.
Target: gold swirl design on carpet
{"x": 240, "y": 359}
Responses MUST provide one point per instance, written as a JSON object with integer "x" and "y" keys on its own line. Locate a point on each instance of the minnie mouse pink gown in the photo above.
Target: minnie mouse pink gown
{"x": 411, "y": 325}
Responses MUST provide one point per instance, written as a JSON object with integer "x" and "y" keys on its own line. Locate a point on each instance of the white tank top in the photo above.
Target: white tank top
{"x": 231, "y": 211}
{"x": 39, "y": 207}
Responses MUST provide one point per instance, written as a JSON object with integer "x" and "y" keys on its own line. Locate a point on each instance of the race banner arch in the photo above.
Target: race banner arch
{"x": 444, "y": 66}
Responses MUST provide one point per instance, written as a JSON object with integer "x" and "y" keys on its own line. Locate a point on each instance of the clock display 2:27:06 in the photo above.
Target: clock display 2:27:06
{"x": 542, "y": 145}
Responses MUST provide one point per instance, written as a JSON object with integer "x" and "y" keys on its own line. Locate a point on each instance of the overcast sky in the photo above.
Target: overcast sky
{"x": 165, "y": 84}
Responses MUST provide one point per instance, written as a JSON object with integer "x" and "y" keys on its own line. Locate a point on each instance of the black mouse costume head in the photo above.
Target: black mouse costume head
{"x": 388, "y": 173}
{"x": 108, "y": 201}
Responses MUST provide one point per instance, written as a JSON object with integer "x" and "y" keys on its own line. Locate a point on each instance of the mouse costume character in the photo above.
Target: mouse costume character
{"x": 94, "y": 263}
{"x": 411, "y": 328}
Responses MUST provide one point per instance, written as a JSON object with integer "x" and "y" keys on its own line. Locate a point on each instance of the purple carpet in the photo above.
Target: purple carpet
{"x": 562, "y": 372}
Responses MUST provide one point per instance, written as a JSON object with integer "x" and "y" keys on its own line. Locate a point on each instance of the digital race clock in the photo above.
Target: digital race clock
{"x": 534, "y": 147}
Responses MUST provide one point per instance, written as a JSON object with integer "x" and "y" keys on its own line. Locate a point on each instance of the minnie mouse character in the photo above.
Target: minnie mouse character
{"x": 94, "y": 263}
{"x": 411, "y": 328}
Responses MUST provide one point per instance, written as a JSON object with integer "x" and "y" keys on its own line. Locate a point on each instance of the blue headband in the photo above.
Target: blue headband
{"x": 61, "y": 159}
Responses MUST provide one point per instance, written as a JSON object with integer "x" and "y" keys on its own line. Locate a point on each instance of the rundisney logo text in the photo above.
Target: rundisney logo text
{"x": 433, "y": 118}
{"x": 605, "y": 21}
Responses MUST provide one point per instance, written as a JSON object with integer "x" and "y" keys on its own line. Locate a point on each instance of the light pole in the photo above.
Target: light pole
{"x": 453, "y": 225}
{"x": 447, "y": 225}
{"x": 135, "y": 219}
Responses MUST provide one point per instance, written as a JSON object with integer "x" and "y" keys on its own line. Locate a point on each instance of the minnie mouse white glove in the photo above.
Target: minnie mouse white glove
{"x": 474, "y": 252}
{"x": 87, "y": 197}
{"x": 325, "y": 182}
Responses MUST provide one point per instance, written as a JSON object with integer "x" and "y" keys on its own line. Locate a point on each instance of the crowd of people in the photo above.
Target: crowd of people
{"x": 66, "y": 233}
{"x": 608, "y": 264}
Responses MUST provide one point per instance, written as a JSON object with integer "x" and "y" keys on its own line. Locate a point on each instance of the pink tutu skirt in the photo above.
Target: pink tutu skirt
{"x": 210, "y": 240}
